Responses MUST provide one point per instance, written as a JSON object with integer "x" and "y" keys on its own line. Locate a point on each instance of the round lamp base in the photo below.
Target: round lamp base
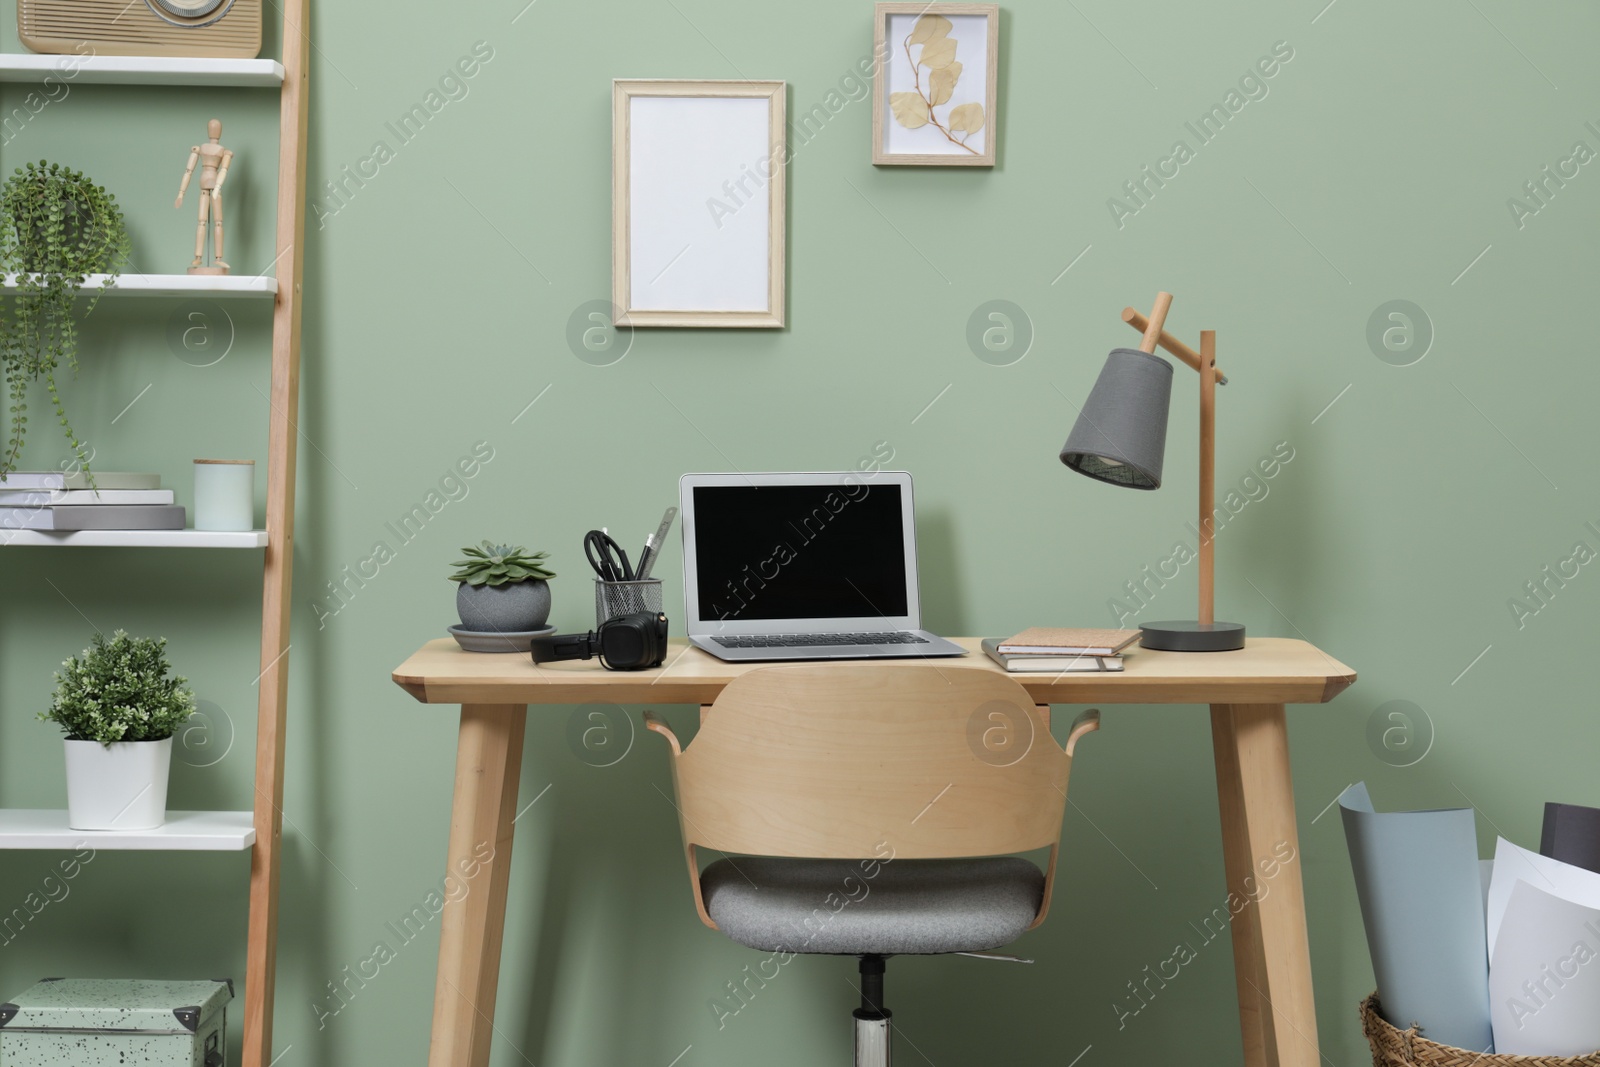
{"x": 1190, "y": 636}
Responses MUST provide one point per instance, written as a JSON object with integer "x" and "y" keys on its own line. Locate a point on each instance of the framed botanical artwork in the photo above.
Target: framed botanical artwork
{"x": 697, "y": 202}
{"x": 933, "y": 101}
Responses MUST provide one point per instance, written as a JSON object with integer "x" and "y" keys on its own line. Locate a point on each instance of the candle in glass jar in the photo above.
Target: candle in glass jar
{"x": 224, "y": 494}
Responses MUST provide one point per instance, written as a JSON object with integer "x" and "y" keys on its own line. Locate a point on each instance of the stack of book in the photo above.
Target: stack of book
{"x": 1053, "y": 650}
{"x": 62, "y": 500}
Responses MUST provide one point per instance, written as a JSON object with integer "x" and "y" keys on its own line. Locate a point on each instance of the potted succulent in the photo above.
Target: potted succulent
{"x": 503, "y": 589}
{"x": 56, "y": 228}
{"x": 119, "y": 704}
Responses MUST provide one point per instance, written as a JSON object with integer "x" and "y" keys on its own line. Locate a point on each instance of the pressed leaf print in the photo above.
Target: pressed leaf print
{"x": 941, "y": 83}
{"x": 929, "y": 27}
{"x": 910, "y": 110}
{"x": 967, "y": 118}
{"x": 940, "y": 52}
{"x": 936, "y": 52}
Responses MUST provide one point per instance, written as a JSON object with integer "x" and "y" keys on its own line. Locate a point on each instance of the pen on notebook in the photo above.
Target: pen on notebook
{"x": 653, "y": 543}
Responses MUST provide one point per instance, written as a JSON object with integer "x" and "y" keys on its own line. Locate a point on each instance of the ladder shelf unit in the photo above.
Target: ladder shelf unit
{"x": 258, "y": 831}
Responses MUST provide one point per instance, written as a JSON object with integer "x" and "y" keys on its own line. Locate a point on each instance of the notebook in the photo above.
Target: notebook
{"x": 94, "y": 517}
{"x": 40, "y": 498}
{"x": 1051, "y": 640}
{"x": 1036, "y": 664}
{"x": 79, "y": 480}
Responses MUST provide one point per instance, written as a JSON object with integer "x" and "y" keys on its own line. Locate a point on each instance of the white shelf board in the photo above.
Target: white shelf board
{"x": 250, "y": 285}
{"x": 185, "y": 831}
{"x": 140, "y": 70}
{"x": 132, "y": 539}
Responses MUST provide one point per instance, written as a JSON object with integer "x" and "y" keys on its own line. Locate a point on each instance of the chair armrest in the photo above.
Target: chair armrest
{"x": 651, "y": 722}
{"x": 1087, "y": 723}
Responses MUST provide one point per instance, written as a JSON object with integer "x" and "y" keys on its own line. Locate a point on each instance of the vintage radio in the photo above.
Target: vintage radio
{"x": 224, "y": 29}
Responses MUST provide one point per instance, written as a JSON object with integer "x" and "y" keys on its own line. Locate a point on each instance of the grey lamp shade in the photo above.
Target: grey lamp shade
{"x": 1121, "y": 432}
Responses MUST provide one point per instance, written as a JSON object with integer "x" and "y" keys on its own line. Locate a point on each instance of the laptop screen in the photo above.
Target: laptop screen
{"x": 775, "y": 552}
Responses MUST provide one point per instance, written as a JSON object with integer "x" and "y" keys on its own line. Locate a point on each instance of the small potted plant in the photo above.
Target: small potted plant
{"x": 119, "y": 704}
{"x": 503, "y": 589}
{"x": 56, "y": 228}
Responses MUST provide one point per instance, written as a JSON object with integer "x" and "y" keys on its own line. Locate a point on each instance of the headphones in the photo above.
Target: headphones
{"x": 623, "y": 643}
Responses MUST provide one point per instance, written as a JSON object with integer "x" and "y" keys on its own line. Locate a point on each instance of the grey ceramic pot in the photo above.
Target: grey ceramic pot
{"x": 504, "y": 609}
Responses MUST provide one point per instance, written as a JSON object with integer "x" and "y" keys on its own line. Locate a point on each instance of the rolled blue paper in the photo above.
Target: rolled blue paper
{"x": 1421, "y": 889}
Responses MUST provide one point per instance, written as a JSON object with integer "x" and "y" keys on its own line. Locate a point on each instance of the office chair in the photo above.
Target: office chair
{"x": 871, "y": 811}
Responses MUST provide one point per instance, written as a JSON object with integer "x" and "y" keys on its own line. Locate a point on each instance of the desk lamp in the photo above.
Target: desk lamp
{"x": 1121, "y": 435}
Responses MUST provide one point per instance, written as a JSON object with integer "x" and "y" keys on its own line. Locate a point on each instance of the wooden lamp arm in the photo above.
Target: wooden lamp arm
{"x": 1208, "y": 476}
{"x": 652, "y": 722}
{"x": 1133, "y": 318}
{"x": 1157, "y": 319}
{"x": 1211, "y": 376}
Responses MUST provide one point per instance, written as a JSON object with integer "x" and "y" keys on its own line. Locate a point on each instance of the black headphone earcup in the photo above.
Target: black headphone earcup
{"x": 623, "y": 646}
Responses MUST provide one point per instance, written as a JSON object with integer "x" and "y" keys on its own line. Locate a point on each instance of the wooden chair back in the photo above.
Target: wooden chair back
{"x": 872, "y": 762}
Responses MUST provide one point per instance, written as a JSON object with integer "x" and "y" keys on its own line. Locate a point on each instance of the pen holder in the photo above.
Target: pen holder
{"x": 625, "y": 598}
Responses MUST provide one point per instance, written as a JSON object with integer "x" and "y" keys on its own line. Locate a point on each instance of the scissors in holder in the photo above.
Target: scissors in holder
{"x": 607, "y": 558}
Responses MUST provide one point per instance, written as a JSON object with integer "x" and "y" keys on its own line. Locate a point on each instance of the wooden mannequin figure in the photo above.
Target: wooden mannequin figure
{"x": 213, "y": 160}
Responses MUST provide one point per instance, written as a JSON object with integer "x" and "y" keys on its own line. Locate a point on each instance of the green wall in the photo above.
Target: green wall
{"x": 1377, "y": 167}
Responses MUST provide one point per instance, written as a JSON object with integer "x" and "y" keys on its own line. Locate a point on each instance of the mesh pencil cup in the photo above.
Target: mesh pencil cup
{"x": 625, "y": 598}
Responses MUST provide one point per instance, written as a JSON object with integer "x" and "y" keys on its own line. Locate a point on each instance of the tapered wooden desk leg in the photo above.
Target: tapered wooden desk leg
{"x": 488, "y": 766}
{"x": 1261, "y": 849}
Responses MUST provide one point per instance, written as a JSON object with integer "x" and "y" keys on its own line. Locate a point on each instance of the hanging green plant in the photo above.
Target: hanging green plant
{"x": 56, "y": 228}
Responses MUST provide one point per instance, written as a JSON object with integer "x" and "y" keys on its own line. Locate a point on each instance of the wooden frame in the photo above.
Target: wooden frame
{"x": 882, "y": 50}
{"x": 722, "y": 187}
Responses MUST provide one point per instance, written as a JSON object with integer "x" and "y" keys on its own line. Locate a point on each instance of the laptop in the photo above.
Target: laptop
{"x": 803, "y": 567}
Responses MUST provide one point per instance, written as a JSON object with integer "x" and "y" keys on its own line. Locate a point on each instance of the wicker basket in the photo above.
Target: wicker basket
{"x": 1392, "y": 1047}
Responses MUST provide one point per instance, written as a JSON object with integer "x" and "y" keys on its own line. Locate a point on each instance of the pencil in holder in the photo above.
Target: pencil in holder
{"x": 625, "y": 598}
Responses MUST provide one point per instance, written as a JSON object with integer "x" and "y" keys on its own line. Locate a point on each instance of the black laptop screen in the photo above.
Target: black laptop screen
{"x": 799, "y": 552}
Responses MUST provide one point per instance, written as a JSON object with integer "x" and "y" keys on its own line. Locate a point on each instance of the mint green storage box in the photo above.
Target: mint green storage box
{"x": 84, "y": 1022}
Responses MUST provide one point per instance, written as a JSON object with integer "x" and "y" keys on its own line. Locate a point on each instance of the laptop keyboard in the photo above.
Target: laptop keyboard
{"x": 812, "y": 640}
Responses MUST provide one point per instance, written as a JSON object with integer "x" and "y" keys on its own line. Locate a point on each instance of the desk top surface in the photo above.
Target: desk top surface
{"x": 1268, "y": 670}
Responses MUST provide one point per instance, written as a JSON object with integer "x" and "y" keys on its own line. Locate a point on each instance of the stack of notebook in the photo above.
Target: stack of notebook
{"x": 61, "y": 500}
{"x": 1047, "y": 649}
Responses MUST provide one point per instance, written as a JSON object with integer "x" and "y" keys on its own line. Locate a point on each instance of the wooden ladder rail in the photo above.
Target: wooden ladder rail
{"x": 277, "y": 570}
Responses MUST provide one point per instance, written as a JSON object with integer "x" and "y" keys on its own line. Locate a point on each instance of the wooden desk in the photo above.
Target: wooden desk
{"x": 1247, "y": 691}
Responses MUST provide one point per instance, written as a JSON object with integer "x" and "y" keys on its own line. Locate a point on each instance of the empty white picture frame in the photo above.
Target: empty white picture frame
{"x": 934, "y": 96}
{"x": 697, "y": 203}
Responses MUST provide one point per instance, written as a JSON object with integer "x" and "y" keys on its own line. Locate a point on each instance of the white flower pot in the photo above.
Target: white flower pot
{"x": 121, "y": 786}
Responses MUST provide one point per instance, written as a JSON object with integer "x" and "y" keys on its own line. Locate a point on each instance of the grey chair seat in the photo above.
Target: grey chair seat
{"x": 909, "y": 907}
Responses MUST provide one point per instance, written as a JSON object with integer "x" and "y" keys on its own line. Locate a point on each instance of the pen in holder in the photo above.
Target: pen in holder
{"x": 625, "y": 598}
